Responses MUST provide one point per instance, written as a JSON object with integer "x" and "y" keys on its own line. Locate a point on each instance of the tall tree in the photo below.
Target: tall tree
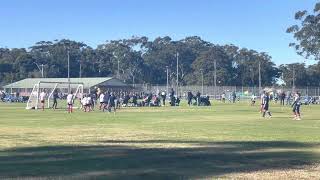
{"x": 307, "y": 33}
{"x": 294, "y": 73}
{"x": 206, "y": 62}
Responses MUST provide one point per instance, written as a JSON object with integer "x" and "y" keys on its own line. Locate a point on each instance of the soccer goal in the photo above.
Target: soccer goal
{"x": 51, "y": 89}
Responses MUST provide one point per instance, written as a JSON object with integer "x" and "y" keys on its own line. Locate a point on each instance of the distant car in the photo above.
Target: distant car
{"x": 11, "y": 98}
{"x": 308, "y": 100}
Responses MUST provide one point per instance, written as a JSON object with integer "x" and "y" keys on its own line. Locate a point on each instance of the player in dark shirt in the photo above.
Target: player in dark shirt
{"x": 172, "y": 98}
{"x": 198, "y": 96}
{"x": 163, "y": 96}
{"x": 106, "y": 101}
{"x": 265, "y": 102}
{"x": 282, "y": 98}
{"x": 111, "y": 102}
{"x": 234, "y": 96}
{"x": 135, "y": 99}
{"x": 190, "y": 96}
{"x": 55, "y": 97}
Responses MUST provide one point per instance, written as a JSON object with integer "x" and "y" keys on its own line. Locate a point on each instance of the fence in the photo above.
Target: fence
{"x": 213, "y": 91}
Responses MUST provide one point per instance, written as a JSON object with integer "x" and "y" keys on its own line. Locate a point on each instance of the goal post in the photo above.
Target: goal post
{"x": 49, "y": 88}
{"x": 33, "y": 99}
{"x": 61, "y": 89}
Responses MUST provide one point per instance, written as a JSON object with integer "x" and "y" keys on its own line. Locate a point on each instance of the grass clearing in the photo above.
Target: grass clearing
{"x": 223, "y": 141}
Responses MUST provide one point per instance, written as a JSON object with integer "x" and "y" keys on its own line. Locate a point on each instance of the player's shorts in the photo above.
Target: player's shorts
{"x": 69, "y": 104}
{"x": 266, "y": 107}
{"x": 296, "y": 108}
{"x": 42, "y": 101}
{"x": 101, "y": 102}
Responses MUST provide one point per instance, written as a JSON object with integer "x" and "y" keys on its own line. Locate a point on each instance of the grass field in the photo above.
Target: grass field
{"x": 223, "y": 141}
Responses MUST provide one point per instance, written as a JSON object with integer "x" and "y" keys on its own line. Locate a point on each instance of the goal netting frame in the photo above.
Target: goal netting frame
{"x": 34, "y": 98}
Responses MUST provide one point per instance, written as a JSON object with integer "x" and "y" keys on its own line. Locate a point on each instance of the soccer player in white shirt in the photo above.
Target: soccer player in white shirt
{"x": 89, "y": 103}
{"x": 84, "y": 103}
{"x": 70, "y": 102}
{"x": 101, "y": 99}
{"x": 253, "y": 100}
{"x": 42, "y": 99}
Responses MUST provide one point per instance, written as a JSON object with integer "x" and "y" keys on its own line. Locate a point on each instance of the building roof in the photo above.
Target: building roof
{"x": 87, "y": 82}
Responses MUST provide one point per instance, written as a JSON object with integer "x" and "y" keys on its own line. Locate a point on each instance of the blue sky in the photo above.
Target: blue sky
{"x": 255, "y": 24}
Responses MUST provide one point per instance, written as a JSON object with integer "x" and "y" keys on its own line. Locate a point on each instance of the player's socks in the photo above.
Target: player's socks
{"x": 294, "y": 116}
{"x": 299, "y": 117}
{"x": 269, "y": 113}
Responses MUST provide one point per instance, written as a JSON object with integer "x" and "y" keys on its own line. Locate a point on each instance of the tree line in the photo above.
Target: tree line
{"x": 139, "y": 60}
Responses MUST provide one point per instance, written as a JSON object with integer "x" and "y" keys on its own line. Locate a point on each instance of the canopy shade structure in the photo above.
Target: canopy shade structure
{"x": 26, "y": 85}
{"x": 87, "y": 82}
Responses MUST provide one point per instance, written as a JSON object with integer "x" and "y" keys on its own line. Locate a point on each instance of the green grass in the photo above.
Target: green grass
{"x": 222, "y": 141}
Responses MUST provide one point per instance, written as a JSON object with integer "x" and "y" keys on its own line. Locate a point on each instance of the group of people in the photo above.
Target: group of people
{"x": 265, "y": 102}
{"x": 87, "y": 101}
{"x": 109, "y": 101}
{"x": 232, "y": 97}
{"x": 131, "y": 99}
{"x": 287, "y": 98}
{"x": 267, "y": 96}
{"x": 13, "y": 97}
{"x": 197, "y": 99}
{"x": 154, "y": 99}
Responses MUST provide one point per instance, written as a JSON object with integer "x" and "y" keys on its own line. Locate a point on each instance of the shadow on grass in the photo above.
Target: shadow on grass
{"x": 122, "y": 160}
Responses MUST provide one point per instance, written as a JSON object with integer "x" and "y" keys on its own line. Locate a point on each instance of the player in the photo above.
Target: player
{"x": 296, "y": 106}
{"x": 111, "y": 102}
{"x": 253, "y": 100}
{"x": 163, "y": 96}
{"x": 101, "y": 100}
{"x": 106, "y": 101}
{"x": 42, "y": 99}
{"x": 282, "y": 98}
{"x": 223, "y": 97}
{"x": 261, "y": 101}
{"x": 198, "y": 97}
{"x": 80, "y": 102}
{"x": 84, "y": 103}
{"x": 265, "y": 109}
{"x": 70, "y": 102}
{"x": 189, "y": 96}
{"x": 55, "y": 97}
{"x": 89, "y": 103}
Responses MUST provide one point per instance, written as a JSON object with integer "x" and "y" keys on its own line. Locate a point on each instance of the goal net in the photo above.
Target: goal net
{"x": 33, "y": 98}
{"x": 54, "y": 90}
